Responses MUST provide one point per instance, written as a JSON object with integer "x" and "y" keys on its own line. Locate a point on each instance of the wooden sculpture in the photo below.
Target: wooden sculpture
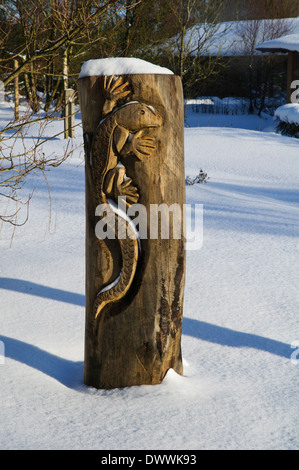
{"x": 133, "y": 134}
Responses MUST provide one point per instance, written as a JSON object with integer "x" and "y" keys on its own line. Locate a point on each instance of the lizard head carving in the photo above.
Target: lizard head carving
{"x": 136, "y": 116}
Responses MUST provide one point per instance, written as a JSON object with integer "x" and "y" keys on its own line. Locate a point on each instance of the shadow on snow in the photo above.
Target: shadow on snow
{"x": 70, "y": 373}
{"x": 236, "y": 339}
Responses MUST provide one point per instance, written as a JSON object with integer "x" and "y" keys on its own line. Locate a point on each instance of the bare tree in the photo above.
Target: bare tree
{"x": 265, "y": 27}
{"x": 20, "y": 157}
{"x": 189, "y": 51}
{"x": 76, "y": 25}
{"x": 238, "y": 10}
{"x": 74, "y": 22}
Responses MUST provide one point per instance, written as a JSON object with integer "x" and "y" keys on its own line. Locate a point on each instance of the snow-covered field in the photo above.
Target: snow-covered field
{"x": 240, "y": 384}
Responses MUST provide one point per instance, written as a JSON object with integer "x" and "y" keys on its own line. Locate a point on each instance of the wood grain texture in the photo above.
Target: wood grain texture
{"x": 138, "y": 337}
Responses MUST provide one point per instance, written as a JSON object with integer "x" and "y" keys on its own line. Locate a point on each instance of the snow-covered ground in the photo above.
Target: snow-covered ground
{"x": 240, "y": 384}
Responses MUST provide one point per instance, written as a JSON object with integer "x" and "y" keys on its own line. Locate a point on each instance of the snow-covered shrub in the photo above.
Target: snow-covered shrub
{"x": 202, "y": 177}
{"x": 287, "y": 119}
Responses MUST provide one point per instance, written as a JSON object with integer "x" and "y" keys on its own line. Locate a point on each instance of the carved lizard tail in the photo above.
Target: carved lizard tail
{"x": 129, "y": 245}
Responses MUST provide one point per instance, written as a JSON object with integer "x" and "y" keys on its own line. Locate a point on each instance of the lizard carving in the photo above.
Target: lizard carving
{"x": 118, "y": 136}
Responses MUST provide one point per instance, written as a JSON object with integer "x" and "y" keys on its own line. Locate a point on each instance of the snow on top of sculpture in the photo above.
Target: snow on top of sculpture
{"x": 120, "y": 66}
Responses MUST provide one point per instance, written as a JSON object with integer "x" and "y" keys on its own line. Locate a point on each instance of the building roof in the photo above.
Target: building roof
{"x": 234, "y": 38}
{"x": 283, "y": 44}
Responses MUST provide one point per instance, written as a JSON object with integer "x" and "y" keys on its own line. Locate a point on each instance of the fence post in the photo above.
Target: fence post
{"x": 2, "y": 92}
{"x": 16, "y": 92}
{"x": 69, "y": 113}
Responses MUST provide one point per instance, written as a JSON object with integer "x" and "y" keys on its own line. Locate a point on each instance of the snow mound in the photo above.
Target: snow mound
{"x": 120, "y": 66}
{"x": 288, "y": 113}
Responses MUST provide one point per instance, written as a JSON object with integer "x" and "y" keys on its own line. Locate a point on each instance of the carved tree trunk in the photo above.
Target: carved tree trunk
{"x": 133, "y": 328}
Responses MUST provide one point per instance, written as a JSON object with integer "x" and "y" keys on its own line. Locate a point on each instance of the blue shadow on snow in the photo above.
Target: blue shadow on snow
{"x": 70, "y": 373}
{"x": 31, "y": 288}
{"x": 236, "y": 339}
